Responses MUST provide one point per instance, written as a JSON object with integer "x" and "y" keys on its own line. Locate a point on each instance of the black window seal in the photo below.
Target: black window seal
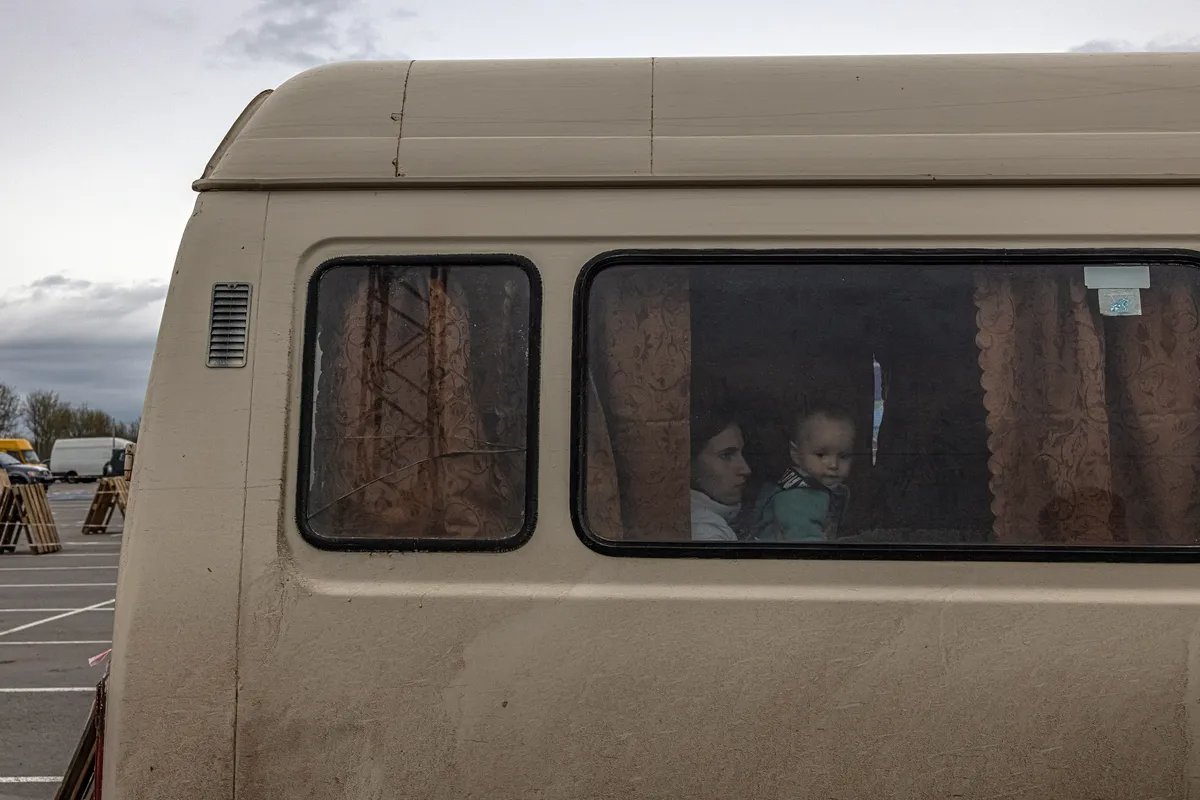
{"x": 963, "y": 257}
{"x": 307, "y": 392}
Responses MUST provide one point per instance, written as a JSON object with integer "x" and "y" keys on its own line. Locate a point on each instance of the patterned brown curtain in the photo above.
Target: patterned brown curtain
{"x": 1094, "y": 422}
{"x": 399, "y": 445}
{"x": 641, "y": 362}
{"x": 1042, "y": 359}
{"x": 1154, "y": 390}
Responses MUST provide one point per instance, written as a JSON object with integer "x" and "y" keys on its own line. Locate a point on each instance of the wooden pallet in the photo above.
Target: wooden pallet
{"x": 10, "y": 519}
{"x": 111, "y": 493}
{"x": 24, "y": 510}
{"x": 38, "y": 518}
{"x": 121, "y": 485}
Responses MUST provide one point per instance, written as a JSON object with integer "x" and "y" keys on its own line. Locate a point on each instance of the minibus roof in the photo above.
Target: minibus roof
{"x": 1063, "y": 118}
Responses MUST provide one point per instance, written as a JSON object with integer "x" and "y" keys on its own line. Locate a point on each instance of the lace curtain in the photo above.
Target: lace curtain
{"x": 419, "y": 419}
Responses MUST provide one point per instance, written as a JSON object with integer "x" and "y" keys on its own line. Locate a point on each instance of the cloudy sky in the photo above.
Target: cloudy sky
{"x": 112, "y": 108}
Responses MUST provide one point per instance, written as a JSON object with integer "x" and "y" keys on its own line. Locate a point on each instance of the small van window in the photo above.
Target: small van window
{"x": 874, "y": 402}
{"x": 418, "y": 400}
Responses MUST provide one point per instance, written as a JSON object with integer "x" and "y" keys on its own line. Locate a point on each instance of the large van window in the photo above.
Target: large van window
{"x": 418, "y": 404}
{"x": 870, "y": 402}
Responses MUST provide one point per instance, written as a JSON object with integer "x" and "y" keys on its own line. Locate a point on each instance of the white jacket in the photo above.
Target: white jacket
{"x": 711, "y": 520}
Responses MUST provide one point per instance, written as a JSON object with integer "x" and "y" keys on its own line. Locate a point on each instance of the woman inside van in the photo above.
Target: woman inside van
{"x": 719, "y": 474}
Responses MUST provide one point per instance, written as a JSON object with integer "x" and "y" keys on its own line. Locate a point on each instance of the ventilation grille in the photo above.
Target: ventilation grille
{"x": 227, "y": 325}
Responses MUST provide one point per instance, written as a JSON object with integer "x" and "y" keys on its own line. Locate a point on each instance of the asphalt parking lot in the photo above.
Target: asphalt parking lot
{"x": 56, "y": 612}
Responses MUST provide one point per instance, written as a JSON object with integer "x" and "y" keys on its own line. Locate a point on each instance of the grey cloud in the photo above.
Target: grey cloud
{"x": 1160, "y": 45}
{"x": 107, "y": 375}
{"x": 1104, "y": 46}
{"x": 167, "y": 19}
{"x": 89, "y": 341}
{"x": 58, "y": 308}
{"x": 314, "y": 6}
{"x": 304, "y": 33}
{"x": 122, "y": 300}
{"x": 52, "y": 280}
{"x": 40, "y": 289}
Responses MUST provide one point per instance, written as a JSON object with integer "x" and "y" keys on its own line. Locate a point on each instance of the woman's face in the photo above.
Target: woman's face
{"x": 720, "y": 470}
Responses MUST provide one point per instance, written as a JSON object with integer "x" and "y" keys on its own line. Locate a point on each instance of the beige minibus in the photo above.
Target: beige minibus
{"x": 677, "y": 428}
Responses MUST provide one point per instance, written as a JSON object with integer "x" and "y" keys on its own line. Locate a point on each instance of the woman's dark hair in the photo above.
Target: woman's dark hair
{"x": 711, "y": 414}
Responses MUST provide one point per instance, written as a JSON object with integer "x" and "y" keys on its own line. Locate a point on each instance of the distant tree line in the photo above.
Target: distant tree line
{"x": 44, "y": 418}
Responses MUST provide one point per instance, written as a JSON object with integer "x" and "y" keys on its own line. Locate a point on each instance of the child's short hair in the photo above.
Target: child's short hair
{"x": 815, "y": 408}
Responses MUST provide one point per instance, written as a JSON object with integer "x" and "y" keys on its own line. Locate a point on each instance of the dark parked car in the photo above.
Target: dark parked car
{"x": 116, "y": 465}
{"x": 25, "y": 473}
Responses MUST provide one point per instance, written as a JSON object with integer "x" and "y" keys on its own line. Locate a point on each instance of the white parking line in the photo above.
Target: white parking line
{"x": 40, "y": 689}
{"x": 51, "y": 569}
{"x": 48, "y": 585}
{"x": 24, "y": 779}
{"x": 42, "y": 610}
{"x": 45, "y": 558}
{"x": 56, "y": 617}
{"x": 30, "y": 644}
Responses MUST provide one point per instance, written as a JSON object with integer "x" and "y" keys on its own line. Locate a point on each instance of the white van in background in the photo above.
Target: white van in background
{"x": 91, "y": 457}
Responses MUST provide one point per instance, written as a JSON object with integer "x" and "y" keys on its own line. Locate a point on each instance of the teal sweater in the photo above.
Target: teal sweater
{"x": 797, "y": 508}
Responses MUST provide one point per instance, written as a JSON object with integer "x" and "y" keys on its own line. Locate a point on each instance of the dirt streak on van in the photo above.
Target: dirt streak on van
{"x": 475, "y": 380}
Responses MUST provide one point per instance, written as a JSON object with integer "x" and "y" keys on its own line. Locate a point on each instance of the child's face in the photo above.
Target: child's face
{"x": 823, "y": 449}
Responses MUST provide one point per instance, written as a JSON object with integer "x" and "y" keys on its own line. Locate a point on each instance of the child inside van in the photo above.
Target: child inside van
{"x": 808, "y": 501}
